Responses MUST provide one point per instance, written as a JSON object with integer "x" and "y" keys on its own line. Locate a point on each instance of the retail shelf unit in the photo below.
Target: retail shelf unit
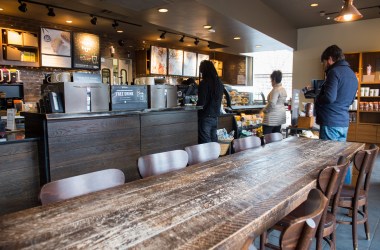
{"x": 366, "y": 65}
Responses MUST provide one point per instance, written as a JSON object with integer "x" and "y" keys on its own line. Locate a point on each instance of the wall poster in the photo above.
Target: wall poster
{"x": 158, "y": 60}
{"x": 86, "y": 51}
{"x": 201, "y": 57}
{"x": 175, "y": 62}
{"x": 55, "y": 48}
{"x": 190, "y": 64}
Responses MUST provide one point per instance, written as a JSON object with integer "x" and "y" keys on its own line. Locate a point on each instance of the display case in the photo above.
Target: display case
{"x": 243, "y": 99}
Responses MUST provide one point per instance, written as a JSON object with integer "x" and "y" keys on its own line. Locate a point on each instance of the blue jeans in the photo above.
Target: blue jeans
{"x": 207, "y": 129}
{"x": 336, "y": 134}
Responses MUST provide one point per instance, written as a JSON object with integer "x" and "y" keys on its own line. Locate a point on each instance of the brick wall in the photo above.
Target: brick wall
{"x": 32, "y": 76}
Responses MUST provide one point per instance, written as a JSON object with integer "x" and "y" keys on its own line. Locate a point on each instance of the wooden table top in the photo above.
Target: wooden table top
{"x": 211, "y": 205}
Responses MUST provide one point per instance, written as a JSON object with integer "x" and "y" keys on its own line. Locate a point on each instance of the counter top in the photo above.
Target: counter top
{"x": 15, "y": 137}
{"x": 53, "y": 116}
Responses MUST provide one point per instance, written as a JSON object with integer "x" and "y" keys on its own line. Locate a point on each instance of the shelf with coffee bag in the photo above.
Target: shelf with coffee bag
{"x": 366, "y": 66}
{"x": 19, "y": 48}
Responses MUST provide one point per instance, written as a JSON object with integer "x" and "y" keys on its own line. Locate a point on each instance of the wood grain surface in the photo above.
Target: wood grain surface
{"x": 209, "y": 205}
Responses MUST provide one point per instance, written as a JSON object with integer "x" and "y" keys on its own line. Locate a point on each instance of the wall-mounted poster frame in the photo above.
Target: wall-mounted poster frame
{"x": 175, "y": 62}
{"x": 158, "y": 60}
{"x": 201, "y": 57}
{"x": 86, "y": 51}
{"x": 55, "y": 48}
{"x": 189, "y": 63}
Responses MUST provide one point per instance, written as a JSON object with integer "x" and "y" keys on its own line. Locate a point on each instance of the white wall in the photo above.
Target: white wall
{"x": 350, "y": 37}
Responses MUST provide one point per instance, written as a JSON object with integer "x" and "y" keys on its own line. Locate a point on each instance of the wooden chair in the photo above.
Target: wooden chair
{"x": 330, "y": 182}
{"x": 81, "y": 184}
{"x": 298, "y": 232}
{"x": 246, "y": 143}
{"x": 353, "y": 198}
{"x": 160, "y": 163}
{"x": 272, "y": 137}
{"x": 203, "y": 152}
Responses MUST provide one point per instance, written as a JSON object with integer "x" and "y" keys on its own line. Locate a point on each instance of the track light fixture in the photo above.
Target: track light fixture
{"x": 182, "y": 39}
{"x": 94, "y": 20}
{"x": 162, "y": 36}
{"x": 50, "y": 11}
{"x": 22, "y": 6}
{"x": 115, "y": 24}
{"x": 196, "y": 42}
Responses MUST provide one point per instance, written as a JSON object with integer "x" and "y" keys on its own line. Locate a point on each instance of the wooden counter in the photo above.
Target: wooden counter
{"x": 210, "y": 205}
{"x": 74, "y": 144}
{"x": 19, "y": 176}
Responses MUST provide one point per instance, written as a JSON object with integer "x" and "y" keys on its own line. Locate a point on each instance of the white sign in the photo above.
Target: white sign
{"x": 11, "y": 122}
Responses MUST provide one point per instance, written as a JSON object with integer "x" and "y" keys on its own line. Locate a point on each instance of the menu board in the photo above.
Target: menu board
{"x": 158, "y": 60}
{"x": 55, "y": 48}
{"x": 201, "y": 57}
{"x": 175, "y": 61}
{"x": 189, "y": 64}
{"x": 86, "y": 51}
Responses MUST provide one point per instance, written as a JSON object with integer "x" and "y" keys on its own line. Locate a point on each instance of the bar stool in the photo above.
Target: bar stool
{"x": 246, "y": 143}
{"x": 272, "y": 137}
{"x": 160, "y": 163}
{"x": 203, "y": 152}
{"x": 353, "y": 198}
{"x": 81, "y": 184}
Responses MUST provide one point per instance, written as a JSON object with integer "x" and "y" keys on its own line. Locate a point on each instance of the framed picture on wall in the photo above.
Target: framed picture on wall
{"x": 86, "y": 51}
{"x": 158, "y": 60}
{"x": 55, "y": 48}
{"x": 175, "y": 62}
{"x": 189, "y": 64}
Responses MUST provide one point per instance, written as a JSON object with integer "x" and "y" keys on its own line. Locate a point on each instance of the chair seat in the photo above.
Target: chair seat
{"x": 347, "y": 195}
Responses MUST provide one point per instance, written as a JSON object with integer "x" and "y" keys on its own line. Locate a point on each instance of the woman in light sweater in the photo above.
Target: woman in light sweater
{"x": 274, "y": 111}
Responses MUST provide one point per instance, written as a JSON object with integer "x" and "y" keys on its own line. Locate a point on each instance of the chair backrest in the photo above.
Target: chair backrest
{"x": 160, "y": 163}
{"x": 81, "y": 184}
{"x": 330, "y": 182}
{"x": 301, "y": 231}
{"x": 246, "y": 143}
{"x": 364, "y": 161}
{"x": 272, "y": 137}
{"x": 203, "y": 152}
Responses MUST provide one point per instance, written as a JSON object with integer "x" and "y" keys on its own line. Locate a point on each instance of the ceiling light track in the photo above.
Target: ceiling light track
{"x": 323, "y": 13}
{"x": 182, "y": 39}
{"x": 23, "y": 8}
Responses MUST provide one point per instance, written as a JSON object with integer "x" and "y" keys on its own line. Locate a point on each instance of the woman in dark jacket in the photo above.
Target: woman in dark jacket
{"x": 210, "y": 93}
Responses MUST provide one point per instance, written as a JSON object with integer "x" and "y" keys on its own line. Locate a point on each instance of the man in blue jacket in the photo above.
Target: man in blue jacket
{"x": 336, "y": 95}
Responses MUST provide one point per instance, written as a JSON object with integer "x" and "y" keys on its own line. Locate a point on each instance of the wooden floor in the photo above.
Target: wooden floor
{"x": 344, "y": 233}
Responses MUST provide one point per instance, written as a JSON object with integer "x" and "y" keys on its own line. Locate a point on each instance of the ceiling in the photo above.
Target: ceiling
{"x": 272, "y": 24}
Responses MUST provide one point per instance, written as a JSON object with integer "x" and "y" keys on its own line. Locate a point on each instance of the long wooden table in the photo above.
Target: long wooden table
{"x": 211, "y": 205}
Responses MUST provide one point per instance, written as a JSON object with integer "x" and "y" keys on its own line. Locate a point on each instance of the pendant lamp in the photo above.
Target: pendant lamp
{"x": 348, "y": 12}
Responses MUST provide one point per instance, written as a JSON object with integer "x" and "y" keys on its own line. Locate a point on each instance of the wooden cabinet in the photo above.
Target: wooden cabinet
{"x": 366, "y": 66}
{"x": 142, "y": 62}
{"x": 19, "y": 48}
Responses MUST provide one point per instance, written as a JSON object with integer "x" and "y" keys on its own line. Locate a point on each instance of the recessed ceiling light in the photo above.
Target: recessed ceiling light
{"x": 159, "y": 39}
{"x": 314, "y": 5}
{"x": 237, "y": 37}
{"x": 188, "y": 45}
{"x": 1, "y": 9}
{"x": 258, "y": 46}
{"x": 328, "y": 18}
{"x": 211, "y": 30}
{"x": 163, "y": 10}
{"x": 207, "y": 26}
{"x": 119, "y": 31}
{"x": 69, "y": 21}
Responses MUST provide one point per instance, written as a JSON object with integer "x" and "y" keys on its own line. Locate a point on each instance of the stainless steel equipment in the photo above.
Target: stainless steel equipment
{"x": 162, "y": 96}
{"x": 80, "y": 97}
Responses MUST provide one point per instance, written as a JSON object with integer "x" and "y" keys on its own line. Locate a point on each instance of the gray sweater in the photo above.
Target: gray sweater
{"x": 274, "y": 111}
